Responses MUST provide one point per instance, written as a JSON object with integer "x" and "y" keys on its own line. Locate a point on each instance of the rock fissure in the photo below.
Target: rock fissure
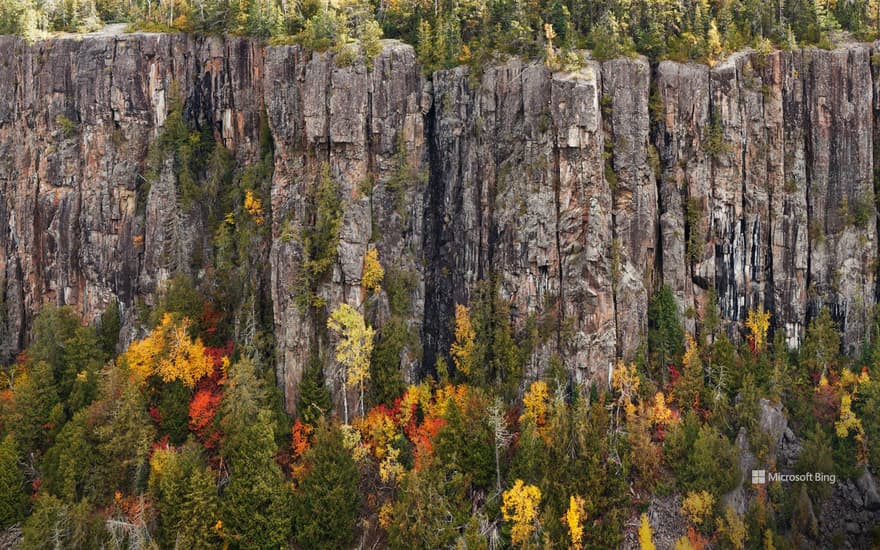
{"x": 752, "y": 180}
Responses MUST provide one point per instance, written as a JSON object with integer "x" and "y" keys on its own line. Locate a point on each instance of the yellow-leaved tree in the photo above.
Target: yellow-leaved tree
{"x": 520, "y": 506}
{"x": 169, "y": 353}
{"x": 646, "y": 534}
{"x": 353, "y": 350}
{"x": 625, "y": 381}
{"x": 373, "y": 271}
{"x": 848, "y": 423}
{"x": 463, "y": 349}
{"x": 697, "y": 506}
{"x": 574, "y": 520}
{"x": 758, "y": 323}
{"x": 254, "y": 207}
{"x": 535, "y": 404}
{"x": 661, "y": 414}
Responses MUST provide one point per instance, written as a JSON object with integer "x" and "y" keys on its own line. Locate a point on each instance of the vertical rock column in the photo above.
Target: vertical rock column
{"x": 789, "y": 233}
{"x": 584, "y": 224}
{"x": 625, "y": 92}
{"x": 843, "y": 239}
{"x": 457, "y": 222}
{"x": 78, "y": 225}
{"x": 683, "y": 94}
{"x": 352, "y": 121}
{"x": 747, "y": 168}
{"x": 521, "y": 197}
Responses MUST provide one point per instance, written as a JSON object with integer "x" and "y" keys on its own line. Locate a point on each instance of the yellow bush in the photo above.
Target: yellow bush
{"x": 697, "y": 505}
{"x": 373, "y": 271}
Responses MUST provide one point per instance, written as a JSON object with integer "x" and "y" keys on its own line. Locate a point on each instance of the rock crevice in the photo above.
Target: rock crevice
{"x": 576, "y": 193}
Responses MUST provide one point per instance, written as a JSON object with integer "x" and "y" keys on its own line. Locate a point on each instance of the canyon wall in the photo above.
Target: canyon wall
{"x": 573, "y": 194}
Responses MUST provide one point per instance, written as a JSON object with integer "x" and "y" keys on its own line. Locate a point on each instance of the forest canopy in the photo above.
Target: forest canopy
{"x": 448, "y": 33}
{"x": 180, "y": 441}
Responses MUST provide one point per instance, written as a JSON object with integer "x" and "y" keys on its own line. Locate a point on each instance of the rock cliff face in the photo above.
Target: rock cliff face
{"x": 576, "y": 194}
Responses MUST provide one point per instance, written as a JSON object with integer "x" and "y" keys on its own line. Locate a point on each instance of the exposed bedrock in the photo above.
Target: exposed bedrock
{"x": 575, "y": 193}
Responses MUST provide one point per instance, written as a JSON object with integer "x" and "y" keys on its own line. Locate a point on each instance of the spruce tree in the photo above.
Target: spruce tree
{"x": 466, "y": 444}
{"x": 387, "y": 382}
{"x": 70, "y": 469}
{"x": 665, "y": 334}
{"x": 200, "y": 511}
{"x": 328, "y": 500}
{"x": 314, "y": 399}
{"x": 185, "y": 492}
{"x": 11, "y": 483}
{"x": 39, "y": 412}
{"x": 254, "y": 501}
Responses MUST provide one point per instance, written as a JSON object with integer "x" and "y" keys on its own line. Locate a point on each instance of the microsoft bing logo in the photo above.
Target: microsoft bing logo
{"x": 761, "y": 477}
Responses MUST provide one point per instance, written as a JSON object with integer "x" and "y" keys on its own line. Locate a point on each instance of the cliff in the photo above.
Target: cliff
{"x": 576, "y": 193}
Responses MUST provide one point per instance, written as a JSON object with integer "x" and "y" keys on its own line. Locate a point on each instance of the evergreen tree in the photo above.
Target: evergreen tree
{"x": 327, "y": 502}
{"x": 255, "y": 498}
{"x": 186, "y": 497}
{"x": 108, "y": 329}
{"x": 821, "y": 346}
{"x": 124, "y": 434}
{"x": 431, "y": 506}
{"x": 70, "y": 468}
{"x": 82, "y": 362}
{"x": 713, "y": 465}
{"x": 173, "y": 407}
{"x": 53, "y": 327}
{"x": 313, "y": 400}
{"x": 11, "y": 483}
{"x": 386, "y": 379}
{"x": 39, "y": 412}
{"x": 198, "y": 528}
{"x": 665, "y": 334}
{"x": 817, "y": 456}
{"x": 56, "y": 524}
{"x": 466, "y": 443}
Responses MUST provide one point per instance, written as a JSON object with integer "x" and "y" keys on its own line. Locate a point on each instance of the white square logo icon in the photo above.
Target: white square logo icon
{"x": 759, "y": 477}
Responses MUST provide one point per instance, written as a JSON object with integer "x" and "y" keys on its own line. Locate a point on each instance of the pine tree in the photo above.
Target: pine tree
{"x": 385, "y": 371}
{"x": 328, "y": 501}
{"x": 11, "y": 483}
{"x": 313, "y": 400}
{"x": 665, "y": 335}
{"x": 254, "y": 500}
{"x": 39, "y": 412}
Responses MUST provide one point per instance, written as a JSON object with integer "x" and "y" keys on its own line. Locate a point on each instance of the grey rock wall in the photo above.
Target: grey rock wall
{"x": 577, "y": 192}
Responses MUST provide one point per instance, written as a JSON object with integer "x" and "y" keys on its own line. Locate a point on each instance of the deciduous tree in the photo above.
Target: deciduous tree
{"x": 353, "y": 349}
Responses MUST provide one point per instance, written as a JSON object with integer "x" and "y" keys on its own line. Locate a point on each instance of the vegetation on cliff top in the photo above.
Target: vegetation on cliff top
{"x": 448, "y": 33}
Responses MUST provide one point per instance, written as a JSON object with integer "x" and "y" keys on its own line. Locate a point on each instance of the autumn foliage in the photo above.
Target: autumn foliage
{"x": 169, "y": 353}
